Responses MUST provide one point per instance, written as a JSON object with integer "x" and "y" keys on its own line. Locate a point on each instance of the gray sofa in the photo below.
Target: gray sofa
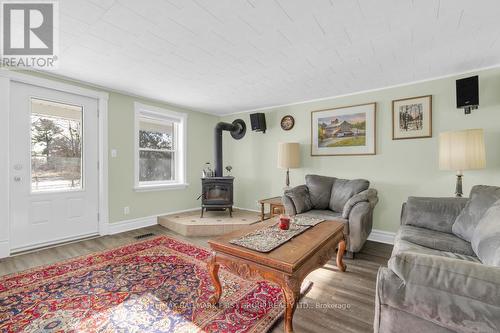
{"x": 444, "y": 272}
{"x": 349, "y": 201}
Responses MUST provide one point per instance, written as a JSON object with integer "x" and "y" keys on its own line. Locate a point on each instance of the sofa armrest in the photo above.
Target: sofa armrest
{"x": 432, "y": 213}
{"x": 289, "y": 206}
{"x": 460, "y": 277}
{"x": 370, "y": 195}
{"x": 460, "y": 295}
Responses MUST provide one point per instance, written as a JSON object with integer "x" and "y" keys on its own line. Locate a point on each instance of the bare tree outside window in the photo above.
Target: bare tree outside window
{"x": 56, "y": 146}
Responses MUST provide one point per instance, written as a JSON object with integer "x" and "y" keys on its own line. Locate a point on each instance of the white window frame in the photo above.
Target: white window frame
{"x": 180, "y": 139}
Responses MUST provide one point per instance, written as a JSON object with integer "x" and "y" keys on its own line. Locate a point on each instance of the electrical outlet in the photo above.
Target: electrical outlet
{"x": 126, "y": 210}
{"x": 114, "y": 153}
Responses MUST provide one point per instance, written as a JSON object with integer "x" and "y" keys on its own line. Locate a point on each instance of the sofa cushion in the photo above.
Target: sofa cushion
{"x": 300, "y": 198}
{"x": 432, "y": 213}
{"x": 343, "y": 190}
{"x": 486, "y": 236}
{"x": 320, "y": 190}
{"x": 433, "y": 240}
{"x": 482, "y": 197}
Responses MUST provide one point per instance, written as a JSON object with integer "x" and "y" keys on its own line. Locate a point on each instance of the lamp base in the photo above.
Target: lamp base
{"x": 288, "y": 178}
{"x": 458, "y": 189}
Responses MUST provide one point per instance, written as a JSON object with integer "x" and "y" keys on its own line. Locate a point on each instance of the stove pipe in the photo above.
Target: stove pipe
{"x": 237, "y": 129}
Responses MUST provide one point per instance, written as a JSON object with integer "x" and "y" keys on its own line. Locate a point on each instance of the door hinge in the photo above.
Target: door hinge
{"x": 98, "y": 112}
{"x": 98, "y": 166}
{"x": 98, "y": 217}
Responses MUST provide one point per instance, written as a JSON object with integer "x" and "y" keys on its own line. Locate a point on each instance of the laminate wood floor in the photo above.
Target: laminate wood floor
{"x": 336, "y": 302}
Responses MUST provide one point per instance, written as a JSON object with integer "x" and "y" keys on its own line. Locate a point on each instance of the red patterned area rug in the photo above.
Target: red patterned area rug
{"x": 158, "y": 285}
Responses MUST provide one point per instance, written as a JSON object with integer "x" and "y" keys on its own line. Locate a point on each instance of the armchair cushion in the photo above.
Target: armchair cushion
{"x": 343, "y": 190}
{"x": 369, "y": 196}
{"x": 482, "y": 197}
{"x": 324, "y": 214}
{"x": 432, "y": 213}
{"x": 320, "y": 190}
{"x": 486, "y": 236}
{"x": 300, "y": 198}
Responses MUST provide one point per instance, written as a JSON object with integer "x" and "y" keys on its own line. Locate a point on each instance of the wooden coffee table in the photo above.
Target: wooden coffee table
{"x": 286, "y": 265}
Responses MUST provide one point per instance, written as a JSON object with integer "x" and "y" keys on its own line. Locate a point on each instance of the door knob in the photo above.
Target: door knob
{"x": 17, "y": 179}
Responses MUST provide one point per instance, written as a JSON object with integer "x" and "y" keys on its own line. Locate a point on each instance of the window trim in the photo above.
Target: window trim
{"x": 160, "y": 114}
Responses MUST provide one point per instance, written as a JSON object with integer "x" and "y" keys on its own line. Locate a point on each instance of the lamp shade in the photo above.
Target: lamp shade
{"x": 288, "y": 155}
{"x": 462, "y": 150}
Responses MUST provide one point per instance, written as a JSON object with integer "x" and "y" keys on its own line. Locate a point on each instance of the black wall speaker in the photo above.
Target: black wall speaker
{"x": 258, "y": 121}
{"x": 468, "y": 93}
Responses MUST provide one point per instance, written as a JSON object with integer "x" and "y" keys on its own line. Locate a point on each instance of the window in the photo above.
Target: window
{"x": 160, "y": 137}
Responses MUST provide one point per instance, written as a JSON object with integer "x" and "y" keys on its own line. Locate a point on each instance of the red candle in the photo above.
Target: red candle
{"x": 284, "y": 222}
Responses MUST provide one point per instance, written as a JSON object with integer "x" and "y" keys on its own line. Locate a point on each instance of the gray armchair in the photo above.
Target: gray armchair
{"x": 349, "y": 201}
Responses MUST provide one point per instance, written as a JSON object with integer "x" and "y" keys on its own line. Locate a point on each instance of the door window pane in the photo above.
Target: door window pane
{"x": 56, "y": 146}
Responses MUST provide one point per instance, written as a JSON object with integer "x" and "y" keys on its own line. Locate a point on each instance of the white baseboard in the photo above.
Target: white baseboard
{"x": 248, "y": 209}
{"x": 382, "y": 236}
{"x": 4, "y": 249}
{"x": 122, "y": 226}
{"x": 141, "y": 222}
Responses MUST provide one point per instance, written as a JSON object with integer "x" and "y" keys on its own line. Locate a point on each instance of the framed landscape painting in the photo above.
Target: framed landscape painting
{"x": 412, "y": 118}
{"x": 346, "y": 130}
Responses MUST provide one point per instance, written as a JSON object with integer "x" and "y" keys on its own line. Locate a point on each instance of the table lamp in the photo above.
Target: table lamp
{"x": 460, "y": 151}
{"x": 288, "y": 157}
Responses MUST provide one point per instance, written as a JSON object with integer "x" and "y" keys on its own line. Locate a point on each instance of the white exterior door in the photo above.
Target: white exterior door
{"x": 54, "y": 166}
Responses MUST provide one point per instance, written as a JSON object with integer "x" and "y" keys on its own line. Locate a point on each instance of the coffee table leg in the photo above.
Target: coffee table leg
{"x": 213, "y": 270}
{"x": 261, "y": 212}
{"x": 291, "y": 291}
{"x": 340, "y": 256}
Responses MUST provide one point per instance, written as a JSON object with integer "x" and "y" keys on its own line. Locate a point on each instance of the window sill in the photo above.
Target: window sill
{"x": 162, "y": 187}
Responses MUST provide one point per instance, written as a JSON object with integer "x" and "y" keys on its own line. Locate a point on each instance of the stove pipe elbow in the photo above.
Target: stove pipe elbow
{"x": 237, "y": 129}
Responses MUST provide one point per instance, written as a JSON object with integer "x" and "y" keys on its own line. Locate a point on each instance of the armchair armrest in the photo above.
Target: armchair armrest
{"x": 437, "y": 214}
{"x": 370, "y": 195}
{"x": 458, "y": 294}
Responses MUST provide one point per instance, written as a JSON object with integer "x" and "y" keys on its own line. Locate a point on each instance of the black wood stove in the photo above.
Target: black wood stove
{"x": 217, "y": 192}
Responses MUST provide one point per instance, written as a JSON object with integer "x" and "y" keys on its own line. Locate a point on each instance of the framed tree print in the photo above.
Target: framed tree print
{"x": 412, "y": 118}
{"x": 346, "y": 130}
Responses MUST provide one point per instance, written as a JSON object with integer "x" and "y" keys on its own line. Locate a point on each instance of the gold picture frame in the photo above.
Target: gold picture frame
{"x": 344, "y": 131}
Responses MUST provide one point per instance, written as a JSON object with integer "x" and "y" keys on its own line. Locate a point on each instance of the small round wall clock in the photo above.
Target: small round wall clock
{"x": 287, "y": 122}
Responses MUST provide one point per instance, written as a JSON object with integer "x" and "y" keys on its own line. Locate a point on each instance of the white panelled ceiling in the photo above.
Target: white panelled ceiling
{"x": 225, "y": 56}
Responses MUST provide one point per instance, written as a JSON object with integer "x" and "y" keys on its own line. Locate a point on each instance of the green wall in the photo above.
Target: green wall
{"x": 400, "y": 169}
{"x": 121, "y": 168}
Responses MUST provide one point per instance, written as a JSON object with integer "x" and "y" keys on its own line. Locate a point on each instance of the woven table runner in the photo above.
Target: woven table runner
{"x": 269, "y": 238}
